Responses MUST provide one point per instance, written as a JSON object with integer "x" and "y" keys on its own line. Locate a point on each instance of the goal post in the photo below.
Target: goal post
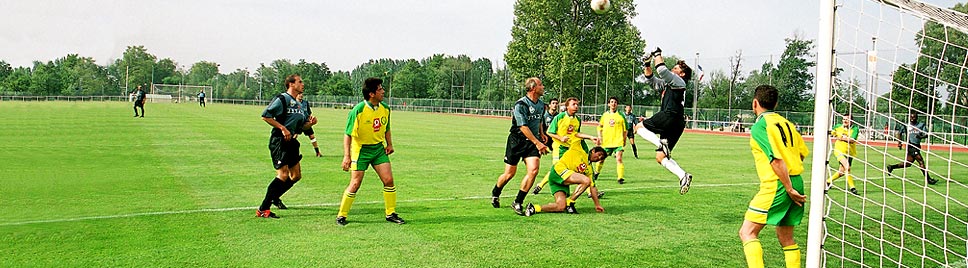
{"x": 178, "y": 93}
{"x": 899, "y": 69}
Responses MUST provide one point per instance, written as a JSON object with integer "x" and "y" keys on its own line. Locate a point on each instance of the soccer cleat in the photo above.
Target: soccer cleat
{"x": 570, "y": 209}
{"x": 278, "y": 203}
{"x": 854, "y": 191}
{"x": 621, "y": 181}
{"x": 394, "y": 218}
{"x": 135, "y": 115}
{"x": 537, "y": 189}
{"x": 265, "y": 214}
{"x": 518, "y": 208}
{"x": 340, "y": 220}
{"x": 528, "y": 211}
{"x": 932, "y": 181}
{"x": 664, "y": 145}
{"x": 684, "y": 183}
{"x": 496, "y": 202}
{"x": 890, "y": 169}
{"x": 600, "y": 194}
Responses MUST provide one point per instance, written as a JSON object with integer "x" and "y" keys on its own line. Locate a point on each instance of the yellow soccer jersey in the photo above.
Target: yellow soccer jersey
{"x": 773, "y": 137}
{"x": 612, "y": 125}
{"x": 573, "y": 161}
{"x": 368, "y": 124}
{"x": 566, "y": 125}
{"x": 843, "y": 146}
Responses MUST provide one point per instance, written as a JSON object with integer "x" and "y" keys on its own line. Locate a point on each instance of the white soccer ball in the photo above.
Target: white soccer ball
{"x": 601, "y": 6}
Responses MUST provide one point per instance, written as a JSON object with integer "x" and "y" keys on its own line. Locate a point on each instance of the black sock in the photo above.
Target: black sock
{"x": 635, "y": 151}
{"x": 496, "y": 192}
{"x": 285, "y": 187}
{"x": 271, "y": 193}
{"x": 520, "y": 198}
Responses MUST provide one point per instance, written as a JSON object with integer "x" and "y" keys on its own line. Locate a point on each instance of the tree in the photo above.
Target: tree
{"x": 202, "y": 73}
{"x": 135, "y": 66}
{"x": 338, "y": 84}
{"x": 17, "y": 81}
{"x": 792, "y": 76}
{"x": 556, "y": 39}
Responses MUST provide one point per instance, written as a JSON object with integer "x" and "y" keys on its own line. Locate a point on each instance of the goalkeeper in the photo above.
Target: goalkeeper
{"x": 669, "y": 122}
{"x": 845, "y": 149}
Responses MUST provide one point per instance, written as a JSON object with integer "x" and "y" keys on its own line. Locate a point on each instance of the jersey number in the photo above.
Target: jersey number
{"x": 786, "y": 133}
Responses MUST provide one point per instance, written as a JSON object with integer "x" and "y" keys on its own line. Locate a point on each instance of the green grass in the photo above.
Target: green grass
{"x": 88, "y": 185}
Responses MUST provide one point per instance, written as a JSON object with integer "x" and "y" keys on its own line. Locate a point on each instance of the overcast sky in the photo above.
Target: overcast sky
{"x": 343, "y": 34}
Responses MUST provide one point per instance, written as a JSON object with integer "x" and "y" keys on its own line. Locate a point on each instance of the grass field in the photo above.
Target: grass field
{"x": 88, "y": 185}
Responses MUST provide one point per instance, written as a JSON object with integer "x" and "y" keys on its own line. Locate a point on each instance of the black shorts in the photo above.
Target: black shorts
{"x": 913, "y": 151}
{"x": 202, "y": 99}
{"x": 668, "y": 126}
{"x": 139, "y": 104}
{"x": 284, "y": 153}
{"x": 519, "y": 147}
{"x": 631, "y": 133}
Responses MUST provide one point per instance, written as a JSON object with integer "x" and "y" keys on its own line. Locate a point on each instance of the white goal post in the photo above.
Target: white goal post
{"x": 178, "y": 93}
{"x": 898, "y": 70}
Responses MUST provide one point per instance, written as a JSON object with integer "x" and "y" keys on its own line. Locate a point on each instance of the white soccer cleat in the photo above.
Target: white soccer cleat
{"x": 684, "y": 183}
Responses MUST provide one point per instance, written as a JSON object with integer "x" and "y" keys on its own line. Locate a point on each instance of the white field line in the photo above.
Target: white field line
{"x": 204, "y": 210}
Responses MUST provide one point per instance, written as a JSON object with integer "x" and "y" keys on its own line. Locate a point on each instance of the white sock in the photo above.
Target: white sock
{"x": 673, "y": 167}
{"x": 649, "y": 136}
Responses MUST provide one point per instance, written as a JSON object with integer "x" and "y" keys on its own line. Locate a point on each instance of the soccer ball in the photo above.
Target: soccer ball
{"x": 601, "y": 6}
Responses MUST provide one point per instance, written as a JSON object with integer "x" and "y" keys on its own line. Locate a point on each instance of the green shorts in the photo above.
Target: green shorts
{"x": 773, "y": 206}
{"x": 610, "y": 151}
{"x": 372, "y": 154}
{"x": 556, "y": 183}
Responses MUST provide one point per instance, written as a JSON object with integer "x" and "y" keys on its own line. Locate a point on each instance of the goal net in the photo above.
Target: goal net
{"x": 178, "y": 93}
{"x": 898, "y": 70}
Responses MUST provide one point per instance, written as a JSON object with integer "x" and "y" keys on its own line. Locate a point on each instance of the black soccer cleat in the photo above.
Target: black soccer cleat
{"x": 621, "y": 180}
{"x": 528, "y": 211}
{"x": 340, "y": 220}
{"x": 570, "y": 209}
{"x": 278, "y": 203}
{"x": 890, "y": 169}
{"x": 854, "y": 191}
{"x": 496, "y": 202}
{"x": 265, "y": 214}
{"x": 518, "y": 208}
{"x": 932, "y": 181}
{"x": 600, "y": 194}
{"x": 394, "y": 218}
{"x": 537, "y": 189}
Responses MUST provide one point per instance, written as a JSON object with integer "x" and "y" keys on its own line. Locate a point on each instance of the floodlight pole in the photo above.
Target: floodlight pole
{"x": 695, "y": 96}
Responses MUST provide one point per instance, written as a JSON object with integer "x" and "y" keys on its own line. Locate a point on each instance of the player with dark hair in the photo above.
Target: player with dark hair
{"x": 778, "y": 152}
{"x": 565, "y": 133}
{"x": 288, "y": 118}
{"x": 139, "y": 101}
{"x": 669, "y": 122}
{"x": 525, "y": 141}
{"x": 367, "y": 143}
{"x": 845, "y": 149}
{"x": 630, "y": 121}
{"x": 201, "y": 97}
{"x": 572, "y": 169}
{"x": 550, "y": 114}
{"x": 914, "y": 131}
{"x": 611, "y": 134}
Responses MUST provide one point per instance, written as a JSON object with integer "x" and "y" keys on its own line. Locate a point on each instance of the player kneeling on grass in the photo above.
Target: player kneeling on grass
{"x": 572, "y": 169}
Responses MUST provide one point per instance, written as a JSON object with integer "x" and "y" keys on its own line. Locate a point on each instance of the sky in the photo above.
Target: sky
{"x": 241, "y": 34}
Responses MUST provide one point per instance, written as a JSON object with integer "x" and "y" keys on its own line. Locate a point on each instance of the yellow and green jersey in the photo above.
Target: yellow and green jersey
{"x": 612, "y": 125}
{"x": 368, "y": 124}
{"x": 566, "y": 125}
{"x": 573, "y": 161}
{"x": 843, "y": 146}
{"x": 773, "y": 137}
